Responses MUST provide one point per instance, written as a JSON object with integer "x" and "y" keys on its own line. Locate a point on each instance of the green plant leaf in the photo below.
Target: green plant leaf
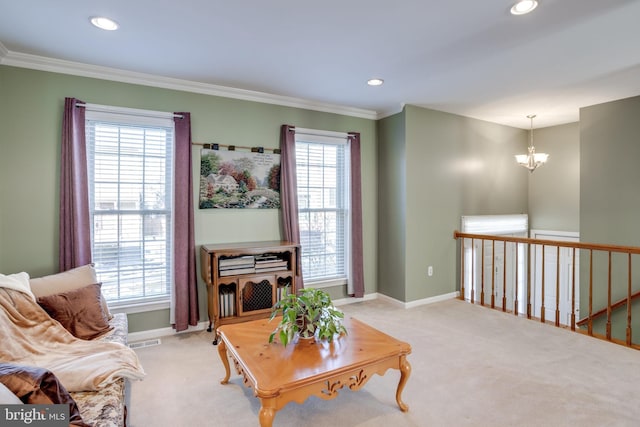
{"x": 283, "y": 338}
{"x": 308, "y": 312}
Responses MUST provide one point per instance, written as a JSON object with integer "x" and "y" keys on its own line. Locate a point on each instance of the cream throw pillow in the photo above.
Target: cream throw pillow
{"x": 69, "y": 280}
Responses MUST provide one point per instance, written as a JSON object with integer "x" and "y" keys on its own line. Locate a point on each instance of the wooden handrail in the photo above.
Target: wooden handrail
{"x": 577, "y": 245}
{"x": 615, "y": 305}
{"x": 477, "y": 295}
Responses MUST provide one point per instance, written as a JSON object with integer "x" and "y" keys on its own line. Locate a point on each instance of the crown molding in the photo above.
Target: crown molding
{"x": 3, "y": 52}
{"x": 387, "y": 113}
{"x": 23, "y": 60}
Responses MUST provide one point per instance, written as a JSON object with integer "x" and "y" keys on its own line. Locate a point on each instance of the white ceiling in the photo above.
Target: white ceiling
{"x": 467, "y": 57}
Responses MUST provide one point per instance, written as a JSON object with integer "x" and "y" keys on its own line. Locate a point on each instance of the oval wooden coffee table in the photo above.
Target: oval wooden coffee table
{"x": 279, "y": 375}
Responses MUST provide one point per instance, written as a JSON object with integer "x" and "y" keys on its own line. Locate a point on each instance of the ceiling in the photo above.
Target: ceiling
{"x": 467, "y": 57}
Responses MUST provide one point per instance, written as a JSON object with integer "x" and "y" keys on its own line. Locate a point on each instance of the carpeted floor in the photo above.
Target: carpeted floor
{"x": 471, "y": 366}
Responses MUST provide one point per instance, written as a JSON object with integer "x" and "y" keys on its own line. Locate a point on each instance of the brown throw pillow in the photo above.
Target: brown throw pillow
{"x": 66, "y": 281}
{"x": 38, "y": 386}
{"x": 79, "y": 311}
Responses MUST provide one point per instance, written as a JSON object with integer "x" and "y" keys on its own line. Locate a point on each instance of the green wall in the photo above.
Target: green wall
{"x": 31, "y": 105}
{"x": 421, "y": 171}
{"x": 609, "y": 177}
{"x": 610, "y": 199}
{"x": 554, "y": 189}
{"x": 392, "y": 185}
{"x": 450, "y": 166}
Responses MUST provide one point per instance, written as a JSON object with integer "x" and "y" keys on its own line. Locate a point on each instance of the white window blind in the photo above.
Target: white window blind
{"x": 130, "y": 174}
{"x": 323, "y": 206}
{"x": 495, "y": 224}
{"x": 499, "y": 262}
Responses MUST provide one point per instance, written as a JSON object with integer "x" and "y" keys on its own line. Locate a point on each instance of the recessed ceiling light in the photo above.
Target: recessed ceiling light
{"x": 523, "y": 7}
{"x": 104, "y": 23}
{"x": 375, "y": 82}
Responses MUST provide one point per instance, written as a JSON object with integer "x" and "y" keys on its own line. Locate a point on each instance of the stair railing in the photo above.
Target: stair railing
{"x": 590, "y": 248}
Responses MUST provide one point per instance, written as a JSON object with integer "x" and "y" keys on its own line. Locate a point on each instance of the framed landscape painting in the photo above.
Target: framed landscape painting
{"x": 239, "y": 179}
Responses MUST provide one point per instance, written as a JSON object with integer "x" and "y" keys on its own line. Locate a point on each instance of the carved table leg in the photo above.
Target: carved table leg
{"x": 267, "y": 412}
{"x": 405, "y": 371}
{"x": 222, "y": 351}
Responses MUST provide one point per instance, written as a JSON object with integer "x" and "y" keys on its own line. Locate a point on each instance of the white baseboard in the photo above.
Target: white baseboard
{"x": 432, "y": 300}
{"x": 398, "y": 303}
{"x": 351, "y": 300}
{"x": 420, "y": 302}
{"x": 163, "y": 332}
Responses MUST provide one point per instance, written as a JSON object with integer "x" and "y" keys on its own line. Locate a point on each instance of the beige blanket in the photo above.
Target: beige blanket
{"x": 29, "y": 336}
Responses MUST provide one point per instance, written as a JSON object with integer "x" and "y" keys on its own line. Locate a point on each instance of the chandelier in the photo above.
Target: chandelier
{"x": 531, "y": 160}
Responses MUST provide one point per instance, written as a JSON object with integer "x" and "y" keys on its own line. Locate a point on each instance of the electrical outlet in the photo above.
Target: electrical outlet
{"x": 430, "y": 271}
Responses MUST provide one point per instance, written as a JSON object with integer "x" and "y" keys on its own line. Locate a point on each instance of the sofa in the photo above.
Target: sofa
{"x": 63, "y": 345}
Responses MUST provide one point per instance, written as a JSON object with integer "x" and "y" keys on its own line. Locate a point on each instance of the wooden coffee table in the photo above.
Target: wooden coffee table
{"x": 279, "y": 375}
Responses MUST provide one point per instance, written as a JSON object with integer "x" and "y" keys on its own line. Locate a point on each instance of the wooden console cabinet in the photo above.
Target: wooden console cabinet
{"x": 245, "y": 279}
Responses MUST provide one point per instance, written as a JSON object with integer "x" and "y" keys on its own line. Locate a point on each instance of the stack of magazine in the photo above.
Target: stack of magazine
{"x": 239, "y": 265}
{"x": 266, "y": 263}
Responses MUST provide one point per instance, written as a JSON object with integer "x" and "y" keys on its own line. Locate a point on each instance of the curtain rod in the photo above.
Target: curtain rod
{"x": 316, "y": 132}
{"x": 131, "y": 111}
{"x": 214, "y": 146}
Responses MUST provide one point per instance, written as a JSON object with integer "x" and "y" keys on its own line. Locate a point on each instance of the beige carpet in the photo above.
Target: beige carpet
{"x": 471, "y": 366}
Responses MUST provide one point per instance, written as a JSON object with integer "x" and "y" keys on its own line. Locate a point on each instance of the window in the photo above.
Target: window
{"x": 499, "y": 259}
{"x": 130, "y": 170}
{"x": 322, "y": 172}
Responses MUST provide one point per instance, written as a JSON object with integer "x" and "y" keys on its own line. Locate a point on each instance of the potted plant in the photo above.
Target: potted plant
{"x": 308, "y": 314}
